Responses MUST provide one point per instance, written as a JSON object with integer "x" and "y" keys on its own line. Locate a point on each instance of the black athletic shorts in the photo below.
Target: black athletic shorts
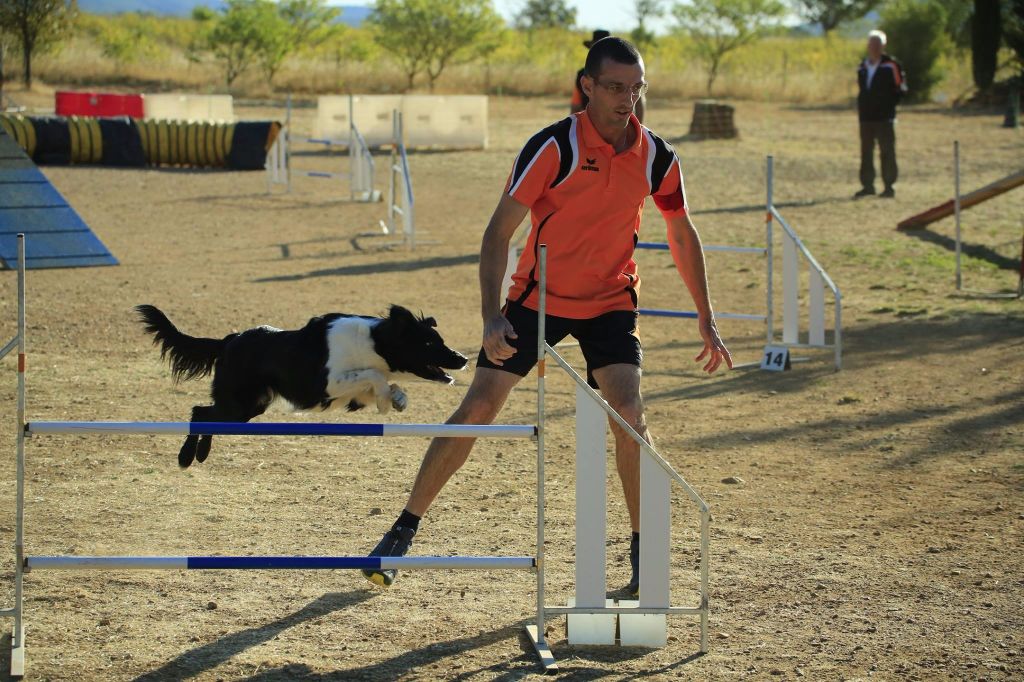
{"x": 607, "y": 339}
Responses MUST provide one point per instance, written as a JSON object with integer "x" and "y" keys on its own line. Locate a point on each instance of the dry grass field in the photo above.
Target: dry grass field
{"x": 878, "y": 530}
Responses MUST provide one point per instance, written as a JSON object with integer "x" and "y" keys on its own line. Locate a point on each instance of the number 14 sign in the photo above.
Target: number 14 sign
{"x": 775, "y": 358}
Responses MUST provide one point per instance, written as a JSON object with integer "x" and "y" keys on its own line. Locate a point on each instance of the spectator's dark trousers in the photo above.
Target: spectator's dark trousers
{"x": 876, "y": 107}
{"x": 883, "y": 132}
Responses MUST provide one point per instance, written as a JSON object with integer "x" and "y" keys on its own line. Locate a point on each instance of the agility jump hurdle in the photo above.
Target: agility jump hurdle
{"x": 361, "y": 165}
{"x": 401, "y": 202}
{"x": 792, "y": 249}
{"x": 591, "y": 618}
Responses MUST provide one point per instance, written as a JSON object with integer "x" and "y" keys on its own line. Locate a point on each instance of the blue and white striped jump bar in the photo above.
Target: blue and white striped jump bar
{"x": 144, "y": 563}
{"x": 283, "y": 429}
{"x": 656, "y": 312}
{"x": 662, "y": 246}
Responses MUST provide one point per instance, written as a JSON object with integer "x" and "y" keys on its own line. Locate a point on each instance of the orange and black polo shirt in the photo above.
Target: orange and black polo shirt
{"x": 585, "y": 204}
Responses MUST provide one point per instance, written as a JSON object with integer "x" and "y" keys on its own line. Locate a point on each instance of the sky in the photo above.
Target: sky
{"x": 614, "y": 15}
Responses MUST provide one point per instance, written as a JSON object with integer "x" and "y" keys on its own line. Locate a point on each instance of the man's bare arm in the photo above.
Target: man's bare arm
{"x": 688, "y": 254}
{"x": 493, "y": 261}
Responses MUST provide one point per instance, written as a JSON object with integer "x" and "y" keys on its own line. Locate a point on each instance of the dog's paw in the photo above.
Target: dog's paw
{"x": 187, "y": 454}
{"x": 399, "y": 401}
{"x": 383, "y": 403}
{"x": 203, "y": 450}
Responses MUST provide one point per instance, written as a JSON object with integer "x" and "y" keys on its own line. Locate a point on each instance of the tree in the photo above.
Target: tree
{"x": 538, "y": 14}
{"x": 425, "y": 36}
{"x": 958, "y": 21}
{"x": 644, "y": 10}
{"x": 36, "y": 24}
{"x": 265, "y": 32}
{"x": 830, "y": 13}
{"x": 717, "y": 27}
{"x": 1013, "y": 32}
{"x": 986, "y": 34}
{"x": 236, "y": 35}
{"x": 917, "y": 36}
{"x": 311, "y": 22}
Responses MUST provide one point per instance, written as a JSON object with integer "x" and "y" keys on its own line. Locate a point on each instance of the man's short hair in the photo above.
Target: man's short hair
{"x": 878, "y": 34}
{"x": 614, "y": 48}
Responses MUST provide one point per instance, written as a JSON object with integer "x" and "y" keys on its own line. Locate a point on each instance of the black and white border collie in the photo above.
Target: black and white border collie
{"x": 335, "y": 360}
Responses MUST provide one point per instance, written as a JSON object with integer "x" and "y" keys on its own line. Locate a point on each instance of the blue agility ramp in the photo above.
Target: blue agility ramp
{"x": 57, "y": 237}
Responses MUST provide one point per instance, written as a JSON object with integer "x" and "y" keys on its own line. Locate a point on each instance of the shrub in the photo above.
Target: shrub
{"x": 916, "y": 32}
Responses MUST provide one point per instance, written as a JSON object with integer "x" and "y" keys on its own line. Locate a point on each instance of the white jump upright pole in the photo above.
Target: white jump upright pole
{"x": 353, "y": 153}
{"x": 956, "y": 209}
{"x": 288, "y": 144}
{"x": 769, "y": 246}
{"x": 18, "y": 636}
{"x": 536, "y": 632}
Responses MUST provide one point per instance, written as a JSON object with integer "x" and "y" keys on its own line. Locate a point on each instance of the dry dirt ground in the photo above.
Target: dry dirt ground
{"x": 878, "y": 530}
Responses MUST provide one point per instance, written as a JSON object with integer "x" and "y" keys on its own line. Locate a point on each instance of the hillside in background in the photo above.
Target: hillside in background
{"x": 352, "y": 15}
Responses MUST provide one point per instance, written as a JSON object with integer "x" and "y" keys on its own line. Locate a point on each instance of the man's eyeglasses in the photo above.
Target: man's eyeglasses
{"x": 636, "y": 91}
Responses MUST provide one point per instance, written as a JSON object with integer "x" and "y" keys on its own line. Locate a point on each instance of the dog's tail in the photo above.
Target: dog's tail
{"x": 190, "y": 357}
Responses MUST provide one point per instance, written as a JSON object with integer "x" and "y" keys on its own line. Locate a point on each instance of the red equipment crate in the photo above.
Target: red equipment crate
{"x": 97, "y": 104}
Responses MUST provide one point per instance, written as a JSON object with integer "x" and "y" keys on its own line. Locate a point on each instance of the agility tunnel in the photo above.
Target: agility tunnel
{"x": 128, "y": 142}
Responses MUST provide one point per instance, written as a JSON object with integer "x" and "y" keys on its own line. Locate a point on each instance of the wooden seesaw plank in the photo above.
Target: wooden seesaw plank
{"x": 966, "y": 201}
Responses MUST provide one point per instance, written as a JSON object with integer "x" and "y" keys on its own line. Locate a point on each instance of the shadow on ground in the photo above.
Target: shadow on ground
{"x": 378, "y": 268}
{"x": 419, "y": 663}
{"x": 209, "y": 656}
{"x": 964, "y": 424}
{"x": 973, "y": 250}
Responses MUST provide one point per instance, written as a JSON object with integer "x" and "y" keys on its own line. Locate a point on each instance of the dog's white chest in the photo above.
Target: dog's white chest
{"x": 350, "y": 346}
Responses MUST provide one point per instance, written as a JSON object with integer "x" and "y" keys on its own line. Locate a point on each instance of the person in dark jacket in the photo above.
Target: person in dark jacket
{"x": 580, "y": 99}
{"x": 882, "y": 83}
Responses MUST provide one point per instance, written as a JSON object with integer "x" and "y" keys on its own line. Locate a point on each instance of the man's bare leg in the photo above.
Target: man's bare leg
{"x": 481, "y": 404}
{"x": 483, "y": 401}
{"x": 620, "y": 386}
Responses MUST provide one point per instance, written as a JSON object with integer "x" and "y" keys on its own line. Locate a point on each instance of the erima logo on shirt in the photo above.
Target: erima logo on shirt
{"x": 589, "y": 165}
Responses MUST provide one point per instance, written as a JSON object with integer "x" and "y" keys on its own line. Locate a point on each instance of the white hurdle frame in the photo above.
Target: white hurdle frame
{"x": 401, "y": 202}
{"x": 656, "y": 476}
{"x": 792, "y": 248}
{"x": 361, "y": 171}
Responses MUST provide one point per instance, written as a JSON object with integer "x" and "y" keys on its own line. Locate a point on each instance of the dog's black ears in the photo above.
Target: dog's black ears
{"x": 400, "y": 315}
{"x": 430, "y": 322}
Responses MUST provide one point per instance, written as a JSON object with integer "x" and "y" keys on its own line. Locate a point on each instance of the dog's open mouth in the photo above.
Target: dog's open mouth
{"x": 435, "y": 373}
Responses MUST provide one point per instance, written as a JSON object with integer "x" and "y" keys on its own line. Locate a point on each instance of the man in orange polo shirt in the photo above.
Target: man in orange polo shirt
{"x": 584, "y": 181}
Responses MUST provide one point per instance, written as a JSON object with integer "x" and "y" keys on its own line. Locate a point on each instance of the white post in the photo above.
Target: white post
{"x": 769, "y": 246}
{"x": 956, "y": 207}
{"x": 838, "y": 331}
{"x": 18, "y": 636}
{"x": 655, "y": 537}
{"x": 392, "y": 183}
{"x": 591, "y": 496}
{"x": 790, "y": 290}
{"x": 542, "y": 273}
{"x": 705, "y": 591}
{"x": 287, "y": 144}
{"x": 591, "y": 523}
{"x": 354, "y": 155}
{"x": 816, "y": 308}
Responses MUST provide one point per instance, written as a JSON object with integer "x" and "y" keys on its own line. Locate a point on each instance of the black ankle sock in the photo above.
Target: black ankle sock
{"x": 635, "y": 538}
{"x": 408, "y": 520}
